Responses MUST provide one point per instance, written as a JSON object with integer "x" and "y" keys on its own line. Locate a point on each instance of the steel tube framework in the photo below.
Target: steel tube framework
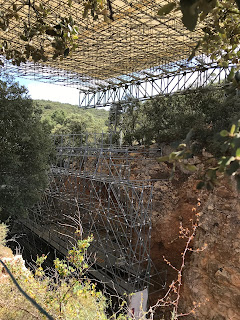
{"x": 91, "y": 191}
{"x": 152, "y": 86}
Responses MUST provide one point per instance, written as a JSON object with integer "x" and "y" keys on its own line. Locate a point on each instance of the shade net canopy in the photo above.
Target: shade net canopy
{"x": 138, "y": 44}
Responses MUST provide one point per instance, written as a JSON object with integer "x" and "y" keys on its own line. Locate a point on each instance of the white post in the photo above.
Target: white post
{"x": 138, "y": 305}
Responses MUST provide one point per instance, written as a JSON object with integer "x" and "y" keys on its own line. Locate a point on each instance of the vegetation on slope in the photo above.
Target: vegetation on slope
{"x": 66, "y": 118}
{"x": 61, "y": 295}
{"x": 168, "y": 119}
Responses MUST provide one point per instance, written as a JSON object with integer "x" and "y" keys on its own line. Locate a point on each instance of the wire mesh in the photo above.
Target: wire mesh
{"x": 136, "y": 45}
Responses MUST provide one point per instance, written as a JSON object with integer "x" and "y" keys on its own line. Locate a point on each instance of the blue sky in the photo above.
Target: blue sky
{"x": 46, "y": 91}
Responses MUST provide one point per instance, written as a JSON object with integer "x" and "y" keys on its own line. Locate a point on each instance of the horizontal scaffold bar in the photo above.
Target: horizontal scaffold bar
{"x": 150, "y": 87}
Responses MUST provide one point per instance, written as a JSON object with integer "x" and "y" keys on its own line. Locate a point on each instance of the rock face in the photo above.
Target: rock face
{"x": 211, "y": 277}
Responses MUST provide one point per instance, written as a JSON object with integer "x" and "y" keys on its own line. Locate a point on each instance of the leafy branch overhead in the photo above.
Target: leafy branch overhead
{"x": 44, "y": 37}
{"x": 214, "y": 168}
{"x": 219, "y": 21}
{"x": 48, "y": 35}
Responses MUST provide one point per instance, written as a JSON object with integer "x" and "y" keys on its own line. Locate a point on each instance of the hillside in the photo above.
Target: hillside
{"x": 63, "y": 117}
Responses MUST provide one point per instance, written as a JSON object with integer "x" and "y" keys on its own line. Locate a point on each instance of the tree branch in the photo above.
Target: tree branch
{"x": 25, "y": 294}
{"x": 110, "y": 9}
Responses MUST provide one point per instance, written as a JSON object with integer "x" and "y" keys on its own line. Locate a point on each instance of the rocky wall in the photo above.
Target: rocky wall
{"x": 211, "y": 277}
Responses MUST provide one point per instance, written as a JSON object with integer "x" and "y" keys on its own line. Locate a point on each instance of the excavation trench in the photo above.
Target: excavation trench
{"x": 124, "y": 198}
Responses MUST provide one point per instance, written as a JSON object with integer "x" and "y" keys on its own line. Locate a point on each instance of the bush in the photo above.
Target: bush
{"x": 61, "y": 295}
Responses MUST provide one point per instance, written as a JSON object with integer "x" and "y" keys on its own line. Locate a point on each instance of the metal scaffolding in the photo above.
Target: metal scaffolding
{"x": 155, "y": 85}
{"x": 138, "y": 43}
{"x": 92, "y": 190}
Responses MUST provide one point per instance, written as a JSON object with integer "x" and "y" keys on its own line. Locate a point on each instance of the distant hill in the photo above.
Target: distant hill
{"x": 58, "y": 115}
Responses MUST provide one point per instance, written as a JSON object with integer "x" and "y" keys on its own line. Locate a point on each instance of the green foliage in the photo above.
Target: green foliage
{"x": 221, "y": 34}
{"x": 63, "y": 296}
{"x": 65, "y": 293}
{"x": 167, "y": 8}
{"x": 39, "y": 270}
{"x": 66, "y": 118}
{"x": 25, "y": 150}
{"x": 198, "y": 115}
{"x": 60, "y": 34}
{"x": 189, "y": 13}
{"x": 97, "y": 8}
{"x": 58, "y": 116}
{"x": 168, "y": 119}
{"x": 171, "y": 117}
{"x": 73, "y": 124}
{"x": 63, "y": 269}
{"x": 77, "y": 255}
{"x": 125, "y": 117}
{"x": 228, "y": 163}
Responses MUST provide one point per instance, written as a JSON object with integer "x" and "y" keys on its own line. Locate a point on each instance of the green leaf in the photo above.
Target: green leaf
{"x": 190, "y": 13}
{"x": 182, "y": 146}
{"x": 235, "y": 142}
{"x": 233, "y": 128}
{"x": 166, "y": 9}
{"x": 238, "y": 152}
{"x": 231, "y": 74}
{"x": 23, "y": 37}
{"x": 191, "y": 167}
{"x": 85, "y": 12}
{"x": 212, "y": 174}
{"x": 224, "y": 133}
{"x": 229, "y": 160}
{"x": 51, "y": 32}
{"x": 206, "y": 6}
{"x": 176, "y": 154}
{"x": 66, "y": 52}
{"x": 163, "y": 159}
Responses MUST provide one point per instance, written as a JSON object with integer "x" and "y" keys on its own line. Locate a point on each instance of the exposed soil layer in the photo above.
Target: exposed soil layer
{"x": 211, "y": 277}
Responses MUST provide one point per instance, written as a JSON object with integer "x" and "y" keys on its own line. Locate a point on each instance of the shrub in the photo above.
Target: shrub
{"x": 62, "y": 295}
